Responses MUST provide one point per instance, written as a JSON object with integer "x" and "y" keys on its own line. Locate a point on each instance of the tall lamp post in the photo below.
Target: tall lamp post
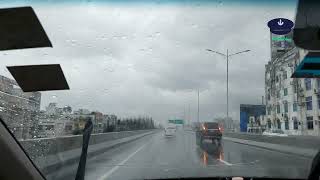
{"x": 227, "y": 57}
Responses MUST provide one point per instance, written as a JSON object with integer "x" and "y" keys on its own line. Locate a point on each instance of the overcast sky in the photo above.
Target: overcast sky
{"x": 151, "y": 59}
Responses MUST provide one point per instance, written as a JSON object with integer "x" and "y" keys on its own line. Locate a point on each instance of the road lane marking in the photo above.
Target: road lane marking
{"x": 225, "y": 162}
{"x": 106, "y": 175}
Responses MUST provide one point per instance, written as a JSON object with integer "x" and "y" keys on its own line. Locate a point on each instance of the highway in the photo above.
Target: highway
{"x": 155, "y": 156}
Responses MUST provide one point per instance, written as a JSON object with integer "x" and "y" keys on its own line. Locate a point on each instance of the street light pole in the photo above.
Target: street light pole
{"x": 189, "y": 117}
{"x": 198, "y": 105}
{"x": 227, "y": 56}
{"x": 227, "y": 85}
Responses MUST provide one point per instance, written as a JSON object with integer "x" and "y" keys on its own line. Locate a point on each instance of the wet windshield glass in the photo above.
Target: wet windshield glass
{"x": 135, "y": 68}
{"x": 212, "y": 125}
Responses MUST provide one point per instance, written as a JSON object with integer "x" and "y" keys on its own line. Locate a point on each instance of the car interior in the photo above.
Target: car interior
{"x": 28, "y": 33}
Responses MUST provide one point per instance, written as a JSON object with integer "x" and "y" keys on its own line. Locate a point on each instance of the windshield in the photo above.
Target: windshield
{"x": 212, "y": 125}
{"x": 133, "y": 67}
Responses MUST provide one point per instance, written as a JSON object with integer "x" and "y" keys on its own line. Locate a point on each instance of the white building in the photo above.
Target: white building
{"x": 54, "y": 125}
{"x": 292, "y": 104}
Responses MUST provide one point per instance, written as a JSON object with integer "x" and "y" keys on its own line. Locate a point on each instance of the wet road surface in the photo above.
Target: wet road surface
{"x": 157, "y": 156}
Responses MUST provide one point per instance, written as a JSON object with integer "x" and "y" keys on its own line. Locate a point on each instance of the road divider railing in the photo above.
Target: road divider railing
{"x": 50, "y": 154}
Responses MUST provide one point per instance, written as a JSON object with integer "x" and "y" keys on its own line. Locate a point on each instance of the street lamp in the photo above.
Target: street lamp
{"x": 198, "y": 114}
{"x": 227, "y": 56}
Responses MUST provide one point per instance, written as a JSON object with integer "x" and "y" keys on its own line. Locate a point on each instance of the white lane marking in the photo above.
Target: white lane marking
{"x": 225, "y": 162}
{"x": 106, "y": 175}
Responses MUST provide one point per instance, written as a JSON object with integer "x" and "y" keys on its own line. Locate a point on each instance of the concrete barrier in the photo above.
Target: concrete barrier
{"x": 308, "y": 142}
{"x": 52, "y": 153}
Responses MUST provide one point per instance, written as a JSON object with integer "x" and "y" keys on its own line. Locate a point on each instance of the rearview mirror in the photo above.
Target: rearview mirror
{"x": 306, "y": 33}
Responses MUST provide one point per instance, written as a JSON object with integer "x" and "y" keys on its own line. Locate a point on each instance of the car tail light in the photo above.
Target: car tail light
{"x": 204, "y": 128}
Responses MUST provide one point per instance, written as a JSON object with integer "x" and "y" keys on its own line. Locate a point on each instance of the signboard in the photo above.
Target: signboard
{"x": 280, "y": 26}
{"x": 176, "y": 121}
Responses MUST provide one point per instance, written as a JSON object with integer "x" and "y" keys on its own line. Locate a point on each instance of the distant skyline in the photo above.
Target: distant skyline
{"x": 139, "y": 60}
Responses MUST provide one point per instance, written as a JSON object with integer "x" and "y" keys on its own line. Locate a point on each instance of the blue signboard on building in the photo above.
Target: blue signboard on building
{"x": 247, "y": 110}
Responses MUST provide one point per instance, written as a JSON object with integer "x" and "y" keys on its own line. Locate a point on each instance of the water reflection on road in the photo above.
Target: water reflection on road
{"x": 209, "y": 153}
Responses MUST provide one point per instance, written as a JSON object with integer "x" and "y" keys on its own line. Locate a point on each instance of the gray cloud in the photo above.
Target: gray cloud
{"x": 151, "y": 61}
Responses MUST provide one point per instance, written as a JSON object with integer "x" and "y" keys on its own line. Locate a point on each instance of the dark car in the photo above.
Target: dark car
{"x": 209, "y": 130}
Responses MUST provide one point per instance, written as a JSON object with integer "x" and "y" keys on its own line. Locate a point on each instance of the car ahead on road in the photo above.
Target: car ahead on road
{"x": 275, "y": 132}
{"x": 170, "y": 131}
{"x": 209, "y": 131}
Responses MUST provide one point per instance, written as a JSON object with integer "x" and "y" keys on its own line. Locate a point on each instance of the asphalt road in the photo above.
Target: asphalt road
{"x": 156, "y": 156}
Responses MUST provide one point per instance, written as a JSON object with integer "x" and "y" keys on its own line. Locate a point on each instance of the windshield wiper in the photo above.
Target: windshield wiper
{"x": 85, "y": 143}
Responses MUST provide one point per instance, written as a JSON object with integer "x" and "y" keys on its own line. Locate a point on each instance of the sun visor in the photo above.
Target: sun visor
{"x": 20, "y": 28}
{"x": 39, "y": 77}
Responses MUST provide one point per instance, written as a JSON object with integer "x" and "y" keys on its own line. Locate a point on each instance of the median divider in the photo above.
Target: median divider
{"x": 57, "y": 153}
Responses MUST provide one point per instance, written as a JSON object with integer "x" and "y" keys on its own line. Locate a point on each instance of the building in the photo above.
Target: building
{"x": 252, "y": 117}
{"x": 53, "y": 109}
{"x": 80, "y": 120}
{"x": 98, "y": 122}
{"x": 82, "y": 111}
{"x": 67, "y": 110}
{"x": 292, "y": 104}
{"x": 64, "y": 125}
{"x": 18, "y": 109}
{"x": 46, "y": 125}
{"x": 109, "y": 123}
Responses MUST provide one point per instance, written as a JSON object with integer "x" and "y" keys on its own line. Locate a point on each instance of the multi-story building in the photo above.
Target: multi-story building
{"x": 80, "y": 120}
{"x": 109, "y": 123}
{"x": 82, "y": 111}
{"x": 19, "y": 109}
{"x": 292, "y": 104}
{"x": 98, "y": 122}
{"x": 54, "y": 125}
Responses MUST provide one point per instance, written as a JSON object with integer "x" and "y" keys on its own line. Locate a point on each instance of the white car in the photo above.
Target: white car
{"x": 275, "y": 132}
{"x": 170, "y": 131}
